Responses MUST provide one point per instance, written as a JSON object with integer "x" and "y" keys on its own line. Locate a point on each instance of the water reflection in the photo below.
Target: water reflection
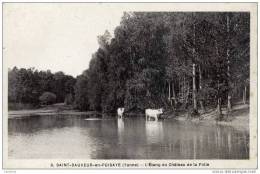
{"x": 79, "y": 137}
{"x": 154, "y": 131}
{"x": 120, "y": 130}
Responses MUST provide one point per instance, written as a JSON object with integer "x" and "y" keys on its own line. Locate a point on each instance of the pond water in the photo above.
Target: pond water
{"x": 81, "y": 137}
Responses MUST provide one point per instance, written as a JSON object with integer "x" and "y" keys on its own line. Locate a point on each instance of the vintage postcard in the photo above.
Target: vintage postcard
{"x": 129, "y": 85}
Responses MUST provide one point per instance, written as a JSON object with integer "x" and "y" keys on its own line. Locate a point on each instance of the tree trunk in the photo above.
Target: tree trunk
{"x": 188, "y": 92}
{"x": 173, "y": 95}
{"x": 194, "y": 94}
{"x": 170, "y": 93}
{"x": 195, "y": 107}
{"x": 229, "y": 106}
{"x": 219, "y": 110}
{"x": 179, "y": 92}
{"x": 183, "y": 91}
{"x": 244, "y": 94}
{"x": 200, "y": 86}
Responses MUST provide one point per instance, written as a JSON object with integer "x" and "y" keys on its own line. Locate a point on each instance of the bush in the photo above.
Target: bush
{"x": 47, "y": 98}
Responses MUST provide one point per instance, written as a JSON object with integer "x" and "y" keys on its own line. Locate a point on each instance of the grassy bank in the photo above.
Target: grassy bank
{"x": 238, "y": 118}
{"x": 59, "y": 108}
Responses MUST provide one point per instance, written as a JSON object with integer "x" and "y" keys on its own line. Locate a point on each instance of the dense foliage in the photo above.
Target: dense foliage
{"x": 27, "y": 85}
{"x": 47, "y": 98}
{"x": 168, "y": 59}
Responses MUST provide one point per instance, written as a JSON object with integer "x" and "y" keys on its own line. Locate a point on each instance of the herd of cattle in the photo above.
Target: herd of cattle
{"x": 149, "y": 113}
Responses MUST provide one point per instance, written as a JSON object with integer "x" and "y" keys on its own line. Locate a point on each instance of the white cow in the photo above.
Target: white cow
{"x": 154, "y": 113}
{"x": 120, "y": 112}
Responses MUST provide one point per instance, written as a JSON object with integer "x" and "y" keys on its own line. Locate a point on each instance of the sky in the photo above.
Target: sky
{"x": 58, "y": 37}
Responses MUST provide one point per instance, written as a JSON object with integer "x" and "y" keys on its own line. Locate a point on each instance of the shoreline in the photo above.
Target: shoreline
{"x": 239, "y": 117}
{"x": 238, "y": 123}
{"x": 55, "y": 109}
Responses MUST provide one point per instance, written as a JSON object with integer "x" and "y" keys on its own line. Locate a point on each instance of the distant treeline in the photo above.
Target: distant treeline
{"x": 170, "y": 60}
{"x": 33, "y": 87}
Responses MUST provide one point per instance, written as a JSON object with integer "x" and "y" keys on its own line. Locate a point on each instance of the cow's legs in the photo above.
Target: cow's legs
{"x": 156, "y": 117}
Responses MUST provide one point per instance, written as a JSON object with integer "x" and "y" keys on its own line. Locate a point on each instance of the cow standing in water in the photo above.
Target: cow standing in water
{"x": 153, "y": 113}
{"x": 120, "y": 112}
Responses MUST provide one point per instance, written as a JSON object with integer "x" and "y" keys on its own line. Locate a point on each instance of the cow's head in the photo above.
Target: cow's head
{"x": 160, "y": 111}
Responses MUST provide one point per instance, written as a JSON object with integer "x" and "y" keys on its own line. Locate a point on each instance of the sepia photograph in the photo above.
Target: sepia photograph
{"x": 166, "y": 85}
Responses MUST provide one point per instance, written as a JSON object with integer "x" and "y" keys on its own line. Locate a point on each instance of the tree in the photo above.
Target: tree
{"x": 81, "y": 92}
{"x": 47, "y": 98}
{"x": 166, "y": 59}
{"x": 26, "y": 85}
